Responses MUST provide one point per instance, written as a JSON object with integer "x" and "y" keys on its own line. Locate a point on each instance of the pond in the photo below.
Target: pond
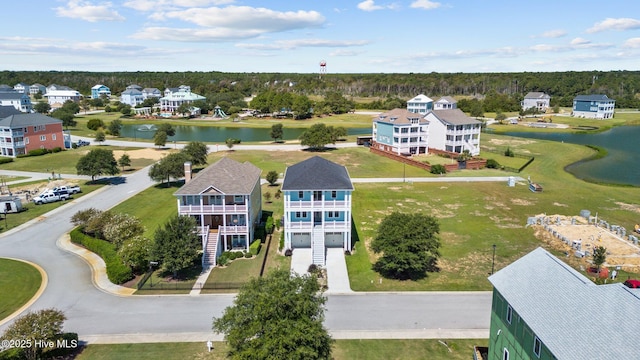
{"x": 620, "y": 166}
{"x": 220, "y": 134}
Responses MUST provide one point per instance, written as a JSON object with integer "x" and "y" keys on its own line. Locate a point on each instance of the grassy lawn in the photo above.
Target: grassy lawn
{"x": 342, "y": 350}
{"x": 63, "y": 162}
{"x": 475, "y": 216}
{"x": 574, "y": 124}
{"x": 19, "y": 279}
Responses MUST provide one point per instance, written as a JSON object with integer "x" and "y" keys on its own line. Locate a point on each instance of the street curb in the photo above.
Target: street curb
{"x": 36, "y": 296}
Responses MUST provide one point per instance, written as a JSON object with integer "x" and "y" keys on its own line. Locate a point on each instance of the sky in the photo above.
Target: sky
{"x": 370, "y": 36}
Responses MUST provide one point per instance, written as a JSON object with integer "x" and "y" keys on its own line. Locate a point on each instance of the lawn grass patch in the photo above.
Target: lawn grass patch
{"x": 19, "y": 280}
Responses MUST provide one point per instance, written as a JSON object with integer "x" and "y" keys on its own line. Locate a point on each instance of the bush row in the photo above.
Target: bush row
{"x": 117, "y": 271}
{"x": 255, "y": 247}
{"x": 4, "y": 160}
{"x": 39, "y": 152}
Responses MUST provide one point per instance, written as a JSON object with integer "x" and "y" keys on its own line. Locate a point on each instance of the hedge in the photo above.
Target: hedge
{"x": 255, "y": 247}
{"x": 4, "y": 160}
{"x": 117, "y": 271}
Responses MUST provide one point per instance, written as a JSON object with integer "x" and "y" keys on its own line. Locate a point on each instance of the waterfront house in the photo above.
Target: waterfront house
{"x": 593, "y": 106}
{"x": 400, "y": 131}
{"x": 537, "y": 100}
{"x": 57, "y": 98}
{"x": 420, "y": 104}
{"x": 169, "y": 104}
{"x": 453, "y": 131}
{"x": 131, "y": 96}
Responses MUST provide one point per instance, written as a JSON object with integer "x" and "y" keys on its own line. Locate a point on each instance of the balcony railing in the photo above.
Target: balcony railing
{"x": 327, "y": 204}
{"x": 308, "y": 225}
{"x": 211, "y": 209}
{"x": 229, "y": 230}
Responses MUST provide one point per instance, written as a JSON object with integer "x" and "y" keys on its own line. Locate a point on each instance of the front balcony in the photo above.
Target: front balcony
{"x": 308, "y": 225}
{"x": 233, "y": 230}
{"x": 317, "y": 204}
{"x": 211, "y": 209}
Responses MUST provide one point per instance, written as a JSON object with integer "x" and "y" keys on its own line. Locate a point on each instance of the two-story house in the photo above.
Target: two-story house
{"x": 151, "y": 93}
{"x": 225, "y": 199}
{"x": 131, "y": 96}
{"x": 21, "y": 133}
{"x": 400, "y": 131}
{"x": 453, "y": 131}
{"x": 317, "y": 207}
{"x": 181, "y": 88}
{"x": 593, "y": 106}
{"x": 169, "y": 104}
{"x": 99, "y": 90}
{"x": 537, "y": 100}
{"x": 445, "y": 103}
{"x": 57, "y": 98}
{"x": 544, "y": 309}
{"x": 18, "y": 100}
{"x": 21, "y": 88}
{"x": 420, "y": 104}
{"x": 37, "y": 88}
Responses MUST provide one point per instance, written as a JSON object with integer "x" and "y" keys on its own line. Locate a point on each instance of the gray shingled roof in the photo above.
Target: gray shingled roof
{"x": 6, "y": 110}
{"x": 23, "y": 119}
{"x": 600, "y": 97}
{"x": 536, "y": 95}
{"x": 447, "y": 99}
{"x": 572, "y": 316}
{"x": 400, "y": 116}
{"x": 316, "y": 173}
{"x": 454, "y": 117}
{"x": 225, "y": 176}
{"x": 10, "y": 95}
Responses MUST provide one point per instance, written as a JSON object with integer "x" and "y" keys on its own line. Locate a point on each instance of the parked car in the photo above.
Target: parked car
{"x": 63, "y": 194}
{"x": 71, "y": 189}
{"x": 45, "y": 198}
{"x": 634, "y": 284}
{"x": 82, "y": 143}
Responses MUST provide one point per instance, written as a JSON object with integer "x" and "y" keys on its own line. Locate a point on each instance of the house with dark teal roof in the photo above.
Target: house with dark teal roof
{"x": 593, "y": 106}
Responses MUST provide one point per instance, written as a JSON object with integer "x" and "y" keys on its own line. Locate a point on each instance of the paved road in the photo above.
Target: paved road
{"x": 98, "y": 316}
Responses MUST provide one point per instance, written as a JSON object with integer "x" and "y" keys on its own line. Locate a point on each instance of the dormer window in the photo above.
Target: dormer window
{"x": 393, "y": 119}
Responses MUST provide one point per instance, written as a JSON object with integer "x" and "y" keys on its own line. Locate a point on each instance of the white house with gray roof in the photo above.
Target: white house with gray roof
{"x": 317, "y": 207}
{"x": 420, "y": 104}
{"x": 537, "y": 100}
{"x": 225, "y": 199}
{"x": 544, "y": 309}
{"x": 18, "y": 100}
{"x": 452, "y": 130}
{"x": 445, "y": 103}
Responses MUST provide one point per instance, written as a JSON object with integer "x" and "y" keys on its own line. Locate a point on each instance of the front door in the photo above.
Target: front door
{"x": 317, "y": 217}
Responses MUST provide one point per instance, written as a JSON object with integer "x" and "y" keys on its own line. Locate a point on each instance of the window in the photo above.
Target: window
{"x": 298, "y": 213}
{"x": 396, "y": 130}
{"x": 43, "y": 137}
{"x": 238, "y": 199}
{"x": 300, "y": 194}
{"x": 53, "y": 136}
{"x": 537, "y": 345}
{"x": 26, "y": 140}
{"x": 334, "y": 194}
{"x": 505, "y": 354}
{"x": 404, "y": 130}
{"x": 509, "y": 313}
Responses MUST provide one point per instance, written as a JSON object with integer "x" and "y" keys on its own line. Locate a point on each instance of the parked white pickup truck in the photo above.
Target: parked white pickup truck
{"x": 51, "y": 196}
{"x": 71, "y": 189}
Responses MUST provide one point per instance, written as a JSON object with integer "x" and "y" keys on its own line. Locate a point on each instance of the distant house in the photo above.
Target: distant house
{"x": 593, "y": 106}
{"x": 537, "y": 100}
{"x": 445, "y": 103}
{"x": 54, "y": 87}
{"x": 25, "y": 132}
{"x": 544, "y": 309}
{"x": 420, "y": 104}
{"x": 57, "y": 98}
{"x": 135, "y": 87}
{"x": 401, "y": 132}
{"x": 6, "y": 88}
{"x": 98, "y": 91}
{"x": 37, "y": 88}
{"x": 453, "y": 131}
{"x": 21, "y": 88}
{"x": 151, "y": 93}
{"x": 181, "y": 88}
{"x": 131, "y": 97}
{"x": 170, "y": 104}
{"x": 225, "y": 199}
{"x": 317, "y": 207}
{"x": 18, "y": 100}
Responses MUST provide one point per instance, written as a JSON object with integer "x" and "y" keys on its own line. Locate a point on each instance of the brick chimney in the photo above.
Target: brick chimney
{"x": 187, "y": 172}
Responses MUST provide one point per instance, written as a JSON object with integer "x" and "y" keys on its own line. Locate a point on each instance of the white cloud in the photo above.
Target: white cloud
{"x": 167, "y": 5}
{"x": 297, "y": 43}
{"x": 369, "y": 5}
{"x": 425, "y": 4}
{"x": 52, "y": 47}
{"x": 343, "y": 52}
{"x": 632, "y": 43}
{"x": 615, "y": 24}
{"x": 553, "y": 33}
{"x": 84, "y": 10}
{"x": 580, "y": 41}
{"x": 229, "y": 23}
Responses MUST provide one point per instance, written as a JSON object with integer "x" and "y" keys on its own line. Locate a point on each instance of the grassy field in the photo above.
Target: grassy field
{"x": 574, "y": 124}
{"x": 19, "y": 279}
{"x": 342, "y": 350}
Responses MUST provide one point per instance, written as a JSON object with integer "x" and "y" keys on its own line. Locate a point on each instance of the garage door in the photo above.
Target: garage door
{"x": 333, "y": 240}
{"x": 301, "y": 240}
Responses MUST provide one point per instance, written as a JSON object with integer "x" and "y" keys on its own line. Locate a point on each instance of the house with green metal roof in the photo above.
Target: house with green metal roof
{"x": 544, "y": 309}
{"x": 225, "y": 199}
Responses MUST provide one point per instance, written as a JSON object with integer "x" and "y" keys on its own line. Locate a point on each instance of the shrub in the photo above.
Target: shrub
{"x": 492, "y": 164}
{"x": 281, "y": 245}
{"x": 95, "y": 124}
{"x": 508, "y": 152}
{"x": 117, "y": 271}
{"x": 38, "y": 152}
{"x": 288, "y": 252}
{"x": 255, "y": 247}
{"x": 268, "y": 227}
{"x": 313, "y": 268}
{"x": 4, "y": 160}
{"x": 248, "y": 255}
{"x": 56, "y": 149}
{"x": 438, "y": 169}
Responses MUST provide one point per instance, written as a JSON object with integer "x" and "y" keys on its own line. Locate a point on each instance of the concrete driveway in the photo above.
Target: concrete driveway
{"x": 337, "y": 275}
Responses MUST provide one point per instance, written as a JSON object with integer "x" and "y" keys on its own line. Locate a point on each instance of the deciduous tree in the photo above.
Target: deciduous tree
{"x": 316, "y": 137}
{"x": 114, "y": 127}
{"x": 35, "y": 329}
{"x": 124, "y": 161}
{"x": 177, "y": 244}
{"x": 97, "y": 162}
{"x": 409, "y": 245}
{"x": 170, "y": 166}
{"x": 253, "y": 325}
{"x": 272, "y": 177}
{"x": 100, "y": 136}
{"x": 197, "y": 152}
{"x": 599, "y": 256}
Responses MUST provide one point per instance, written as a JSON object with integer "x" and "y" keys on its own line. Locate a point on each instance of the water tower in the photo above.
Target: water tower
{"x": 323, "y": 67}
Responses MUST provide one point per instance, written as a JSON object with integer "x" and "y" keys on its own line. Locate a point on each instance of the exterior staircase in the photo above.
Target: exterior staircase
{"x": 317, "y": 246}
{"x": 209, "y": 256}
